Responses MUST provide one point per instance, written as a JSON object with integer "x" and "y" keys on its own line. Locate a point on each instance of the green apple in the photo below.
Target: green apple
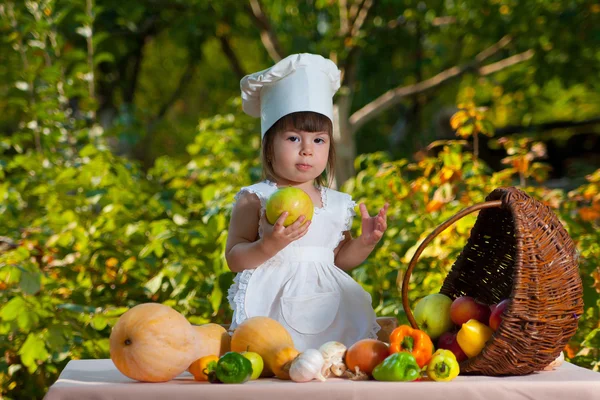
{"x": 293, "y": 200}
{"x": 256, "y": 361}
{"x": 432, "y": 314}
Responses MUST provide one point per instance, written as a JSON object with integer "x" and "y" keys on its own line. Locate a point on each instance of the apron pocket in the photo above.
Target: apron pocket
{"x": 310, "y": 314}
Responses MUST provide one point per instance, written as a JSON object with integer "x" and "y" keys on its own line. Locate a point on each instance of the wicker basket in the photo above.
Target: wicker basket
{"x": 517, "y": 249}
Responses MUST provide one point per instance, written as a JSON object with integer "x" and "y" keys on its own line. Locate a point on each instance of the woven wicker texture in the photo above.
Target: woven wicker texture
{"x": 517, "y": 249}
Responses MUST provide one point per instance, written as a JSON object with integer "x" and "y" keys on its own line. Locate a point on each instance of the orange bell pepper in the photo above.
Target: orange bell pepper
{"x": 202, "y": 366}
{"x": 414, "y": 341}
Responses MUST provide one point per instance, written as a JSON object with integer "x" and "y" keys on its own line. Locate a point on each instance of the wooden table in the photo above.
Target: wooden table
{"x": 99, "y": 380}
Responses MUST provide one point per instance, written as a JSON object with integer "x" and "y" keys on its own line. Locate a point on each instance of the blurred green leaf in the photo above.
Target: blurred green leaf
{"x": 154, "y": 284}
{"x": 31, "y": 282}
{"x": 76, "y": 308}
{"x": 11, "y": 310}
{"x": 32, "y": 351}
{"x": 99, "y": 322}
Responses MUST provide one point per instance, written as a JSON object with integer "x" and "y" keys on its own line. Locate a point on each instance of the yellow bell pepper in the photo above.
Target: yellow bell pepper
{"x": 472, "y": 337}
{"x": 443, "y": 366}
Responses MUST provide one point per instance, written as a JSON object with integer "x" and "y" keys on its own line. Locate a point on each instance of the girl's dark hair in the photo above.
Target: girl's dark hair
{"x": 307, "y": 121}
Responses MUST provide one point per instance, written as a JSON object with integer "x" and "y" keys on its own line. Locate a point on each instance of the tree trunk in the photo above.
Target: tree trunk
{"x": 344, "y": 140}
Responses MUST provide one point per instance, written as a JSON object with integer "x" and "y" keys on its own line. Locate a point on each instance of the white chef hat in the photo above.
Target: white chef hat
{"x": 300, "y": 82}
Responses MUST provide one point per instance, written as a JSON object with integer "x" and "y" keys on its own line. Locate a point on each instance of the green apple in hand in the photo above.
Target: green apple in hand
{"x": 432, "y": 314}
{"x": 256, "y": 361}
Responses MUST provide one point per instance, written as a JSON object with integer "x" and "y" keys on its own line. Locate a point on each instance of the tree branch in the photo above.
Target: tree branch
{"x": 507, "y": 62}
{"x": 439, "y": 21}
{"x": 348, "y": 75}
{"x": 344, "y": 24}
{"x": 354, "y": 9}
{"x": 493, "y": 49}
{"x": 90, "y": 54}
{"x": 267, "y": 36}
{"x": 148, "y": 30}
{"x": 183, "y": 82}
{"x": 361, "y": 11}
{"x": 361, "y": 17}
{"x": 143, "y": 151}
{"x": 131, "y": 86}
{"x": 394, "y": 96}
{"x": 230, "y": 54}
{"x": 546, "y": 126}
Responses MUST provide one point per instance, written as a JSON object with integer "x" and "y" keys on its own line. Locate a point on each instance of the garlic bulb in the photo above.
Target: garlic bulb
{"x": 307, "y": 366}
{"x": 333, "y": 355}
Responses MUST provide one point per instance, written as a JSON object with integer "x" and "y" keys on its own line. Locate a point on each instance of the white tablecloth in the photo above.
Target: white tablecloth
{"x": 99, "y": 380}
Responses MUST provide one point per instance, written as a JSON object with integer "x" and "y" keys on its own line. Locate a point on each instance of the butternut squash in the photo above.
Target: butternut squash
{"x": 213, "y": 340}
{"x": 152, "y": 342}
{"x": 270, "y": 340}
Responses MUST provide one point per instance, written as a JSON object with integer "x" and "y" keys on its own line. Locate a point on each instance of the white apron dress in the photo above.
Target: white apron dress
{"x": 301, "y": 287}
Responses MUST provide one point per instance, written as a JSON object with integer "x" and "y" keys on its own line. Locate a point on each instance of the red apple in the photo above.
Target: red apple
{"x": 448, "y": 341}
{"x": 496, "y": 315}
{"x": 465, "y": 308}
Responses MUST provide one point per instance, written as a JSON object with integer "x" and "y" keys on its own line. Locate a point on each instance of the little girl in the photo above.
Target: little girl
{"x": 295, "y": 274}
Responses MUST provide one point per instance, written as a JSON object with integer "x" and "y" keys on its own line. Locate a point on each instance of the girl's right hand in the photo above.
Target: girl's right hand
{"x": 276, "y": 237}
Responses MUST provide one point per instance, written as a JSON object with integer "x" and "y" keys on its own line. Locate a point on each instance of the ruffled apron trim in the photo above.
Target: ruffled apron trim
{"x": 237, "y": 295}
{"x": 350, "y": 213}
{"x": 375, "y": 328}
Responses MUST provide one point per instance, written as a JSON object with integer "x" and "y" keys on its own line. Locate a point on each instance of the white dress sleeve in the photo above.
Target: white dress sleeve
{"x": 254, "y": 190}
{"x": 258, "y": 191}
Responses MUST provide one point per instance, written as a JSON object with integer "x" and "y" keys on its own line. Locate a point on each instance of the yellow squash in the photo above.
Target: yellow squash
{"x": 270, "y": 340}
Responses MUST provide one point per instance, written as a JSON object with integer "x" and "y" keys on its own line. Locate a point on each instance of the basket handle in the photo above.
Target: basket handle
{"x": 429, "y": 238}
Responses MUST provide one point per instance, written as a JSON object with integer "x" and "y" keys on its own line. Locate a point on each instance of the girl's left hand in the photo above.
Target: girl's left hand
{"x": 373, "y": 227}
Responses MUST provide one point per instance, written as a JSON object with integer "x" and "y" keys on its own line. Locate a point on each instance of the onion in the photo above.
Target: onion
{"x": 366, "y": 354}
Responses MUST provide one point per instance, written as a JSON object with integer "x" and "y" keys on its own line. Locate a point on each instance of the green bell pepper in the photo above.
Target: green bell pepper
{"x": 233, "y": 368}
{"x": 398, "y": 367}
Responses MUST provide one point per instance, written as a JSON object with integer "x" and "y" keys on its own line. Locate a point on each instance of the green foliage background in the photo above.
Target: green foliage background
{"x": 88, "y": 233}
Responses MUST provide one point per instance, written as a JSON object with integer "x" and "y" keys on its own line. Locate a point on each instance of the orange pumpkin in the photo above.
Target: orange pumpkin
{"x": 213, "y": 339}
{"x": 152, "y": 342}
{"x": 268, "y": 338}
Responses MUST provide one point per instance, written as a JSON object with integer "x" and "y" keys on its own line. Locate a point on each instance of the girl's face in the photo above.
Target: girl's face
{"x": 300, "y": 156}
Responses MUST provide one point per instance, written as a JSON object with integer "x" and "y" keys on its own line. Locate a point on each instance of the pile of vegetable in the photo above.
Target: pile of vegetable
{"x": 462, "y": 325}
{"x": 408, "y": 357}
{"x": 262, "y": 347}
